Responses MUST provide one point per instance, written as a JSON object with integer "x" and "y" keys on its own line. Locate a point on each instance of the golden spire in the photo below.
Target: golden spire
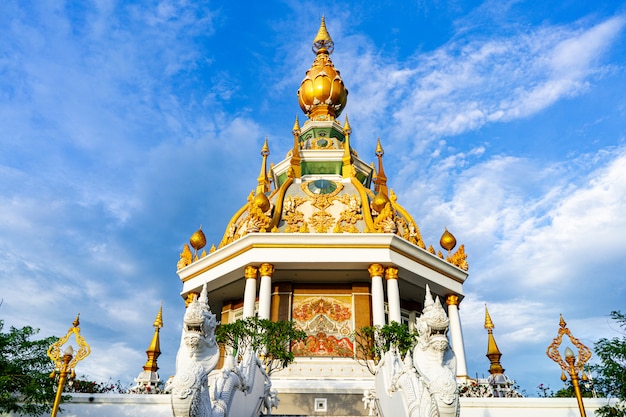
{"x": 295, "y": 153}
{"x": 154, "y": 350}
{"x": 262, "y": 181}
{"x": 493, "y": 353}
{"x": 347, "y": 157}
{"x": 381, "y": 178}
{"x": 322, "y": 95}
{"x": 323, "y": 41}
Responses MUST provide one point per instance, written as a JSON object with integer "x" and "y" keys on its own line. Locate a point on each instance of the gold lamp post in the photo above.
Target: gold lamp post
{"x": 65, "y": 363}
{"x": 570, "y": 364}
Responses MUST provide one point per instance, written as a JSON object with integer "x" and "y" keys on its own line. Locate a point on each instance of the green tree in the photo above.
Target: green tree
{"x": 270, "y": 339}
{"x": 611, "y": 371}
{"x": 373, "y": 341}
{"x": 25, "y": 384}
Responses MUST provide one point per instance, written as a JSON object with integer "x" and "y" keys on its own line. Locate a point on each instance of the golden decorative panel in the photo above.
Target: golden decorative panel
{"x": 328, "y": 322}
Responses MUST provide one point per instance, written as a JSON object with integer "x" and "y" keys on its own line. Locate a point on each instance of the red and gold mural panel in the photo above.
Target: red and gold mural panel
{"x": 327, "y": 320}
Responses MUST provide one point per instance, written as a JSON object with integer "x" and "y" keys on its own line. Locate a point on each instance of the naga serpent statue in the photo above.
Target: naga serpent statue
{"x": 433, "y": 358}
{"x": 197, "y": 357}
{"x": 198, "y": 390}
{"x": 424, "y": 385}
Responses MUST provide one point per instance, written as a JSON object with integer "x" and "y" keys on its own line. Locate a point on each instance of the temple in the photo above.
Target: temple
{"x": 324, "y": 241}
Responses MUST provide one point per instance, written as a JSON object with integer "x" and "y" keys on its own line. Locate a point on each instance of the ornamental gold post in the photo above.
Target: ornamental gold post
{"x": 570, "y": 365}
{"x": 64, "y": 364}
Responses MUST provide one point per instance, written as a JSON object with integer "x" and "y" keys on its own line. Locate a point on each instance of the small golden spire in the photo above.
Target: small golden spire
{"x": 493, "y": 353}
{"x": 295, "y": 153}
{"x": 154, "y": 350}
{"x": 447, "y": 241}
{"x": 346, "y": 170}
{"x": 76, "y": 321}
{"x": 262, "y": 181}
{"x": 346, "y": 126}
{"x": 381, "y": 178}
{"x": 323, "y": 42}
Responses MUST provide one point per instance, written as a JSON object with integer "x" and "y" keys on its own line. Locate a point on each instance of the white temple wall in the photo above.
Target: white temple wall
{"x": 137, "y": 405}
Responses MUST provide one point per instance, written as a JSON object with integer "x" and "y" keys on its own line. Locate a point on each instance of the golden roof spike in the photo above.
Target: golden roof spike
{"x": 381, "y": 178}
{"x": 346, "y": 126}
{"x": 346, "y": 170}
{"x": 76, "y": 321}
{"x": 295, "y": 152}
{"x": 154, "y": 350}
{"x": 493, "y": 353}
{"x": 262, "y": 181}
{"x": 323, "y": 42}
{"x": 296, "y": 126}
{"x": 488, "y": 322}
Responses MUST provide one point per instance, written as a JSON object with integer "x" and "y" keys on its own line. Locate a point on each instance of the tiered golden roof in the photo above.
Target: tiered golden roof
{"x": 322, "y": 186}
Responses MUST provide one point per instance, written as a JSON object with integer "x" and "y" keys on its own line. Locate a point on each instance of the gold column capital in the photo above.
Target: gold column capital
{"x": 266, "y": 270}
{"x": 452, "y": 300}
{"x": 250, "y": 272}
{"x": 376, "y": 270}
{"x": 391, "y": 273}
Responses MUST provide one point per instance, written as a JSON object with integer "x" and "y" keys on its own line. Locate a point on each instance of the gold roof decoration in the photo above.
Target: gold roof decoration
{"x": 322, "y": 186}
{"x": 447, "y": 241}
{"x": 154, "y": 350}
{"x": 493, "y": 353}
{"x": 322, "y": 94}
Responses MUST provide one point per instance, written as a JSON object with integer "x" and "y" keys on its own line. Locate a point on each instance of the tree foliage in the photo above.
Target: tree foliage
{"x": 25, "y": 384}
{"x": 373, "y": 341}
{"x": 611, "y": 371}
{"x": 270, "y": 339}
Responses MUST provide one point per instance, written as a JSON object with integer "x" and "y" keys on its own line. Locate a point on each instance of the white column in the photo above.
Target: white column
{"x": 265, "y": 290}
{"x": 249, "y": 295}
{"x": 456, "y": 336}
{"x": 378, "y": 298}
{"x": 393, "y": 294}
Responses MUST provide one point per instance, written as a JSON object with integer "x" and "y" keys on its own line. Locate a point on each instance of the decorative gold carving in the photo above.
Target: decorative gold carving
{"x": 266, "y": 270}
{"x": 385, "y": 221}
{"x": 212, "y": 248}
{"x": 459, "y": 258}
{"x": 185, "y": 257}
{"x": 452, "y": 300}
{"x": 376, "y": 270}
{"x": 351, "y": 215}
{"x": 250, "y": 272}
{"x": 432, "y": 250}
{"x": 307, "y": 191}
{"x": 391, "y": 273}
{"x": 321, "y": 220}
{"x": 439, "y": 254}
{"x": 291, "y": 215}
{"x": 584, "y": 353}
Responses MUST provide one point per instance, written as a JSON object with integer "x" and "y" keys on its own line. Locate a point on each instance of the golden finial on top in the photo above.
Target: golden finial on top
{"x": 323, "y": 41}
{"x": 447, "y": 241}
{"x": 488, "y": 322}
{"x": 381, "y": 178}
{"x": 562, "y": 323}
{"x": 296, "y": 126}
{"x": 158, "y": 321}
{"x": 76, "y": 321}
{"x": 197, "y": 239}
{"x": 263, "y": 183}
{"x": 379, "y": 149}
{"x": 322, "y": 95}
{"x": 346, "y": 126}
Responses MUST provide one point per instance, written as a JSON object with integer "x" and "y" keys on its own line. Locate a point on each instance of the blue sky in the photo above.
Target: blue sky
{"x": 124, "y": 126}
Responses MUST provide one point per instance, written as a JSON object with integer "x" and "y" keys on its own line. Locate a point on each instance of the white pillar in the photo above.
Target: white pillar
{"x": 393, "y": 294}
{"x": 456, "y": 336}
{"x": 249, "y": 295}
{"x": 265, "y": 290}
{"x": 378, "y": 298}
